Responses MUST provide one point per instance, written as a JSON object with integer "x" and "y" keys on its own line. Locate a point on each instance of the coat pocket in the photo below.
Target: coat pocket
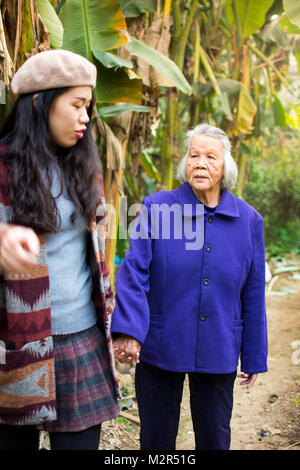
{"x": 27, "y": 384}
{"x": 238, "y": 323}
{"x": 156, "y": 319}
{"x": 151, "y": 348}
{"x": 237, "y": 333}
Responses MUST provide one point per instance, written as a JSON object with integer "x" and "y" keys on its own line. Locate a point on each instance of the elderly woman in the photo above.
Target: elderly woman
{"x": 196, "y": 310}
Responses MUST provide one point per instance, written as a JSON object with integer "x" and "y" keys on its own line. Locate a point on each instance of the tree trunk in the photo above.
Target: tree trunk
{"x": 120, "y": 126}
{"x": 243, "y": 161}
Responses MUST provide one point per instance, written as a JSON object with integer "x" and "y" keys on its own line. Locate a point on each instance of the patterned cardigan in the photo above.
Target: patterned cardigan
{"x": 27, "y": 376}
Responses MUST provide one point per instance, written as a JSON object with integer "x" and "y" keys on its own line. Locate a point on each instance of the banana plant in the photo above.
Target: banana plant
{"x": 229, "y": 60}
{"x": 21, "y": 33}
{"x": 245, "y": 19}
{"x": 98, "y": 31}
{"x": 233, "y": 67}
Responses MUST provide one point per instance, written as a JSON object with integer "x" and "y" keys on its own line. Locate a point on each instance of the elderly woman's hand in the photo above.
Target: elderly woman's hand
{"x": 250, "y": 379}
{"x": 126, "y": 348}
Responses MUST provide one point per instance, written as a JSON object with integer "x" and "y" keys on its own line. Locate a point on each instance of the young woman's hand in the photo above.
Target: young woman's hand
{"x": 19, "y": 248}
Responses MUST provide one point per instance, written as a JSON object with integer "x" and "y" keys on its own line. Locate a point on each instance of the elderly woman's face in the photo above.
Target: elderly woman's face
{"x": 205, "y": 163}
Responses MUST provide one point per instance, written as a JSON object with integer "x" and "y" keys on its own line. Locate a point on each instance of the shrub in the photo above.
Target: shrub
{"x": 274, "y": 191}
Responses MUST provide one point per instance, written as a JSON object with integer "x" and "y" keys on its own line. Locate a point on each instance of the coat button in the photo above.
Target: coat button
{"x": 210, "y": 219}
{"x": 206, "y": 282}
{"x": 202, "y": 317}
{"x": 208, "y": 248}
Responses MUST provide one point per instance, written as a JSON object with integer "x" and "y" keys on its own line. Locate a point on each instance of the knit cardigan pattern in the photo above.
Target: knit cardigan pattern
{"x": 27, "y": 373}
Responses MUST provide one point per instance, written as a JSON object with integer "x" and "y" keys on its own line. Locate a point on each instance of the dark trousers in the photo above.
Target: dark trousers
{"x": 27, "y": 438}
{"x": 159, "y": 394}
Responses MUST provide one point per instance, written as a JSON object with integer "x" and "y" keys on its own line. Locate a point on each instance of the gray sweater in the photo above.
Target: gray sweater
{"x": 72, "y": 308}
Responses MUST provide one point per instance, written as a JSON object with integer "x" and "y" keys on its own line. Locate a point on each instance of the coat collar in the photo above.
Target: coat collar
{"x": 189, "y": 201}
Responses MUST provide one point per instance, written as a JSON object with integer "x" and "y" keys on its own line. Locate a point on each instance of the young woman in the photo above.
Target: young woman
{"x": 57, "y": 370}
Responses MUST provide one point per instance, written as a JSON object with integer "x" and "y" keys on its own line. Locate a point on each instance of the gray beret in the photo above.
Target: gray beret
{"x": 55, "y": 68}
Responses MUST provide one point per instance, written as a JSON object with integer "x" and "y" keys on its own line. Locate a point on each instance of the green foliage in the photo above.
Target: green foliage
{"x": 274, "y": 190}
{"x": 292, "y": 9}
{"x": 114, "y": 110}
{"x": 229, "y": 61}
{"x": 247, "y": 15}
{"x": 52, "y": 22}
{"x": 162, "y": 63}
{"x": 132, "y": 9}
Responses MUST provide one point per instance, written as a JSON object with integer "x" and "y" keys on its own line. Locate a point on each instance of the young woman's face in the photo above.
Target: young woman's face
{"x": 68, "y": 116}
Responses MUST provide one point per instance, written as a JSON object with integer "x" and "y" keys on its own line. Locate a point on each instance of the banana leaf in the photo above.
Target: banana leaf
{"x": 108, "y": 111}
{"x": 226, "y": 85}
{"x": 52, "y": 22}
{"x": 251, "y": 14}
{"x": 92, "y": 25}
{"x": 287, "y": 25}
{"x": 162, "y": 63}
{"x": 278, "y": 111}
{"x": 110, "y": 60}
{"x": 131, "y": 8}
{"x": 115, "y": 86}
{"x": 292, "y": 10}
{"x": 149, "y": 167}
{"x": 221, "y": 105}
{"x": 246, "y": 111}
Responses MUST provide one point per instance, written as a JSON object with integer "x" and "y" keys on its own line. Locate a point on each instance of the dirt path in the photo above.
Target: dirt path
{"x": 266, "y": 417}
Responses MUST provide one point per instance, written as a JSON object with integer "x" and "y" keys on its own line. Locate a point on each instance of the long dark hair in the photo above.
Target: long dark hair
{"x": 33, "y": 155}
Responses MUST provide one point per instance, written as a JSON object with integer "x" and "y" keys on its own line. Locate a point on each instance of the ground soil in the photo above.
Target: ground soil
{"x": 265, "y": 417}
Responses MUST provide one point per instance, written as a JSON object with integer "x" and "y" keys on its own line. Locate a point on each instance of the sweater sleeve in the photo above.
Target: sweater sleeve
{"x": 131, "y": 315}
{"x": 101, "y": 223}
{"x": 254, "y": 341}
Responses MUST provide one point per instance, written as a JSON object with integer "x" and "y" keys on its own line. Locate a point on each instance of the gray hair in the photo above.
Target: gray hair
{"x": 230, "y": 167}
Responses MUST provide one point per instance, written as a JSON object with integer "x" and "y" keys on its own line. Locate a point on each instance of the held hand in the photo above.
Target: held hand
{"x": 126, "y": 349}
{"x": 19, "y": 248}
{"x": 250, "y": 379}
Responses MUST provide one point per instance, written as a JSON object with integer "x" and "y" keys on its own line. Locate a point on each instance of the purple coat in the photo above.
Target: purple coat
{"x": 196, "y": 310}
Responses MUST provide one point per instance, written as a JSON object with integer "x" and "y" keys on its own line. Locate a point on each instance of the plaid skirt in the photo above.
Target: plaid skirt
{"x": 85, "y": 392}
